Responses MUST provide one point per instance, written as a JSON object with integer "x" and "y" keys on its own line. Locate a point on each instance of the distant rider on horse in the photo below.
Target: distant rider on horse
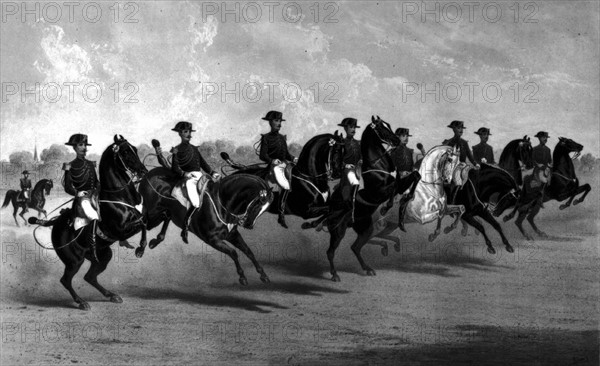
{"x": 482, "y": 152}
{"x": 274, "y": 151}
{"x": 25, "y": 194}
{"x": 80, "y": 180}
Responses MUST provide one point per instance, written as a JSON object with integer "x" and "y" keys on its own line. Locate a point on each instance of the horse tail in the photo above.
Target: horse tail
{"x": 7, "y": 198}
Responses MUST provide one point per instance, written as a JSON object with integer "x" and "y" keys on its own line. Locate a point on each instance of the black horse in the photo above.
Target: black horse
{"x": 37, "y": 201}
{"x": 379, "y": 185}
{"x": 120, "y": 168}
{"x": 562, "y": 185}
{"x": 236, "y": 200}
{"x": 319, "y": 161}
{"x": 483, "y": 186}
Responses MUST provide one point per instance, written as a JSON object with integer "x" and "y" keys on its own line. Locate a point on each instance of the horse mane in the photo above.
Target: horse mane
{"x": 305, "y": 155}
{"x": 39, "y": 184}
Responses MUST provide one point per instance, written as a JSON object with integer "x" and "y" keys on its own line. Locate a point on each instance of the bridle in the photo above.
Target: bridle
{"x": 384, "y": 141}
{"x": 133, "y": 177}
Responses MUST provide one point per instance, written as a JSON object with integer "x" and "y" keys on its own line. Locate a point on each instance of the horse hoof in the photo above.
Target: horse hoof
{"x": 431, "y": 237}
{"x": 306, "y": 225}
{"x": 397, "y": 247}
{"x": 576, "y": 202}
{"x": 447, "y": 230}
{"x": 265, "y": 279}
{"x": 384, "y": 251}
{"x": 139, "y": 252}
{"x": 84, "y": 306}
{"x": 542, "y": 234}
{"x": 464, "y": 232}
{"x": 562, "y": 207}
{"x": 509, "y": 248}
{"x": 506, "y": 218}
{"x": 116, "y": 299}
{"x": 243, "y": 281}
{"x": 371, "y": 272}
{"x": 335, "y": 278}
{"x": 491, "y": 250}
{"x": 153, "y": 243}
{"x": 530, "y": 238}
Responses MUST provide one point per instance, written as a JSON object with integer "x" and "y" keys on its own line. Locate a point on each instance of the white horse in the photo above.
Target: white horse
{"x": 429, "y": 202}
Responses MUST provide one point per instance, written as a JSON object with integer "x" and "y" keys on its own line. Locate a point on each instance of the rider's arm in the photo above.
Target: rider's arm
{"x": 470, "y": 154}
{"x": 204, "y": 165}
{"x": 175, "y": 164}
{"x": 68, "y": 181}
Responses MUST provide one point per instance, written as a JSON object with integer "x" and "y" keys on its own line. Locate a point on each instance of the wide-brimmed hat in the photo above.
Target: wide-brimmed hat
{"x": 271, "y": 115}
{"x": 25, "y": 172}
{"x": 482, "y": 131}
{"x": 541, "y": 134}
{"x": 403, "y": 131}
{"x": 457, "y": 124}
{"x": 350, "y": 122}
{"x": 77, "y": 139}
{"x": 182, "y": 126}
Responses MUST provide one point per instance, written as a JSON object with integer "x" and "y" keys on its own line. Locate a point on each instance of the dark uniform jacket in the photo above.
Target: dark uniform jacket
{"x": 352, "y": 154}
{"x": 25, "y": 184}
{"x": 402, "y": 157}
{"x": 81, "y": 176}
{"x": 187, "y": 158}
{"x": 483, "y": 150}
{"x": 465, "y": 150}
{"x": 273, "y": 145}
{"x": 541, "y": 154}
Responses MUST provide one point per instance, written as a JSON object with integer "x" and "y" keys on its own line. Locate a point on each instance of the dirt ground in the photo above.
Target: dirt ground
{"x": 446, "y": 302}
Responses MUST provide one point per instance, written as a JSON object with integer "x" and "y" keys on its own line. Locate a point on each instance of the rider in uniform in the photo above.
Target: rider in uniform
{"x": 482, "y": 152}
{"x": 25, "y": 195}
{"x": 458, "y": 141}
{"x": 80, "y": 180}
{"x": 542, "y": 156}
{"x": 351, "y": 160}
{"x": 274, "y": 151}
{"x": 188, "y": 164}
{"x": 406, "y": 176}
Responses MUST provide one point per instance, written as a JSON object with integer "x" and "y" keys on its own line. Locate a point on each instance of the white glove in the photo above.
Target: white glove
{"x": 477, "y": 166}
{"x": 276, "y": 162}
{"x": 187, "y": 175}
{"x": 295, "y": 160}
{"x": 349, "y": 166}
{"x": 82, "y": 194}
{"x": 483, "y": 160}
{"x": 216, "y": 176}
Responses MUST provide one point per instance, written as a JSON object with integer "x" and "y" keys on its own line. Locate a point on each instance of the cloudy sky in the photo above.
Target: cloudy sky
{"x": 515, "y": 68}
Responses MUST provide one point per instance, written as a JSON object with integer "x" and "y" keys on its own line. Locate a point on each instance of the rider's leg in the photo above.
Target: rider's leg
{"x": 282, "y": 201}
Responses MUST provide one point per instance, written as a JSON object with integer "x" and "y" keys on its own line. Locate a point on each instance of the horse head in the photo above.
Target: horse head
{"x": 257, "y": 206}
{"x": 48, "y": 186}
{"x": 384, "y": 132}
{"x": 336, "y": 156}
{"x": 570, "y": 146}
{"x": 125, "y": 157}
{"x": 448, "y": 163}
{"x": 524, "y": 152}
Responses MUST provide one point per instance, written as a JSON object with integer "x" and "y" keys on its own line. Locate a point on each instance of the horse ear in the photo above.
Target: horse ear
{"x": 372, "y": 118}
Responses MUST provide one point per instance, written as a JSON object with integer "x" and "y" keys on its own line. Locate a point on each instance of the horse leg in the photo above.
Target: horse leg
{"x": 222, "y": 247}
{"x": 487, "y": 216}
{"x": 16, "y": 209}
{"x": 468, "y": 217}
{"x": 534, "y": 211}
{"x": 336, "y": 236}
{"x": 435, "y": 234}
{"x": 23, "y": 217}
{"x": 139, "y": 251}
{"x": 356, "y": 247}
{"x": 71, "y": 269}
{"x": 389, "y": 228}
{"x": 161, "y": 236}
{"x": 567, "y": 204}
{"x": 586, "y": 188}
{"x": 519, "y": 223}
{"x": 104, "y": 255}
{"x": 512, "y": 214}
{"x": 236, "y": 239}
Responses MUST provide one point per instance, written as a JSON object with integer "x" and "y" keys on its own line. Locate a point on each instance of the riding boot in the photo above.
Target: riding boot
{"x": 402, "y": 211}
{"x": 186, "y": 224}
{"x": 282, "y": 201}
{"x": 92, "y": 241}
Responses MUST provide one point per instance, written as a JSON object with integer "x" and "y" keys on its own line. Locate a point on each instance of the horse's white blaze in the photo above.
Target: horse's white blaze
{"x": 262, "y": 210}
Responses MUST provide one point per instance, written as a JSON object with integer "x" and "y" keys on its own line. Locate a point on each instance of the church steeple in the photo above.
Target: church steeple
{"x": 35, "y": 154}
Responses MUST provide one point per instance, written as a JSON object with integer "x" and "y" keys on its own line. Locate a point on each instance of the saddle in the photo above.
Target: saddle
{"x": 460, "y": 176}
